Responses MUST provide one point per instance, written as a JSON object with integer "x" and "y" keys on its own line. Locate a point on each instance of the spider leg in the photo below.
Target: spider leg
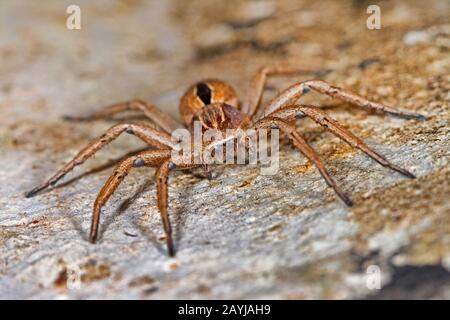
{"x": 162, "y": 119}
{"x": 320, "y": 117}
{"x": 291, "y": 94}
{"x": 300, "y": 143}
{"x": 152, "y": 158}
{"x": 144, "y": 132}
{"x": 256, "y": 89}
{"x": 162, "y": 175}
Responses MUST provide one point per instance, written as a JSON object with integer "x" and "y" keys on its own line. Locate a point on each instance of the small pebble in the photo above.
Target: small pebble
{"x": 414, "y": 37}
{"x": 421, "y": 94}
{"x": 385, "y": 91}
{"x": 306, "y": 19}
{"x": 255, "y": 10}
{"x": 217, "y": 35}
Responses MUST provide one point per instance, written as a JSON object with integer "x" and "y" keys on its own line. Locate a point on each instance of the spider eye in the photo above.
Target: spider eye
{"x": 204, "y": 93}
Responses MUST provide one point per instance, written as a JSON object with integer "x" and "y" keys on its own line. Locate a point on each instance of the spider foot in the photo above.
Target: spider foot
{"x": 170, "y": 248}
{"x": 343, "y": 196}
{"x": 93, "y": 238}
{"x": 398, "y": 169}
{"x": 346, "y": 199}
{"x": 405, "y": 172}
{"x": 74, "y": 118}
{"x": 34, "y": 191}
{"x": 411, "y": 115}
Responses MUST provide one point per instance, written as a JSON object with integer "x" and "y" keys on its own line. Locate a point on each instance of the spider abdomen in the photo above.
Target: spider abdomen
{"x": 204, "y": 93}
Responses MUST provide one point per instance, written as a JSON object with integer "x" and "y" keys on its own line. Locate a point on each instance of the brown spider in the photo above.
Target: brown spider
{"x": 215, "y": 104}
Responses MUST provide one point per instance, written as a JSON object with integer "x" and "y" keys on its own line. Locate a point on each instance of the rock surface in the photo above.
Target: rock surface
{"x": 241, "y": 235}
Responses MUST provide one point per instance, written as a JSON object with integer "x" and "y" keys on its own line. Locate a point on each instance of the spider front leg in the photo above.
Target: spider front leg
{"x": 300, "y": 143}
{"x": 153, "y": 158}
{"x": 162, "y": 119}
{"x": 162, "y": 176}
{"x": 144, "y": 132}
{"x": 255, "y": 92}
{"x": 293, "y": 93}
{"x": 320, "y": 117}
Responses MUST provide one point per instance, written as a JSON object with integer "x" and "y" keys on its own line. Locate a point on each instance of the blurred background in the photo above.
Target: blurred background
{"x": 283, "y": 237}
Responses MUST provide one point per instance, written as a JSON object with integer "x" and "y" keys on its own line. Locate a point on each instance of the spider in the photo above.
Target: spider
{"x": 215, "y": 104}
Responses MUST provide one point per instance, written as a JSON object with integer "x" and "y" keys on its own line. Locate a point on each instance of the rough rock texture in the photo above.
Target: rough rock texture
{"x": 242, "y": 235}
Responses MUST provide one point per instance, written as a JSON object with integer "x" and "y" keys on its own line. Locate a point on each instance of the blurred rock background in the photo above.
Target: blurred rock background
{"x": 242, "y": 235}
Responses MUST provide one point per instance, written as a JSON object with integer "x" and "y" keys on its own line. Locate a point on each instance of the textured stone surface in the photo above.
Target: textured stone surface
{"x": 242, "y": 235}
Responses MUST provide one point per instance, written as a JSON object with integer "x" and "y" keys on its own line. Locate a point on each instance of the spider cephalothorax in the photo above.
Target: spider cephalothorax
{"x": 215, "y": 105}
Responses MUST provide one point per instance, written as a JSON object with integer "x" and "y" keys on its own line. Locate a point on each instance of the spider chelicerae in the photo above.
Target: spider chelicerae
{"x": 215, "y": 104}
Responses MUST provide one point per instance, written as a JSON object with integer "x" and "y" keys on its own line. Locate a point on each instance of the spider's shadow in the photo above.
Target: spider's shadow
{"x": 178, "y": 216}
{"x": 98, "y": 169}
{"x": 143, "y": 228}
{"x": 109, "y": 219}
{"x": 178, "y": 219}
{"x": 124, "y": 205}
